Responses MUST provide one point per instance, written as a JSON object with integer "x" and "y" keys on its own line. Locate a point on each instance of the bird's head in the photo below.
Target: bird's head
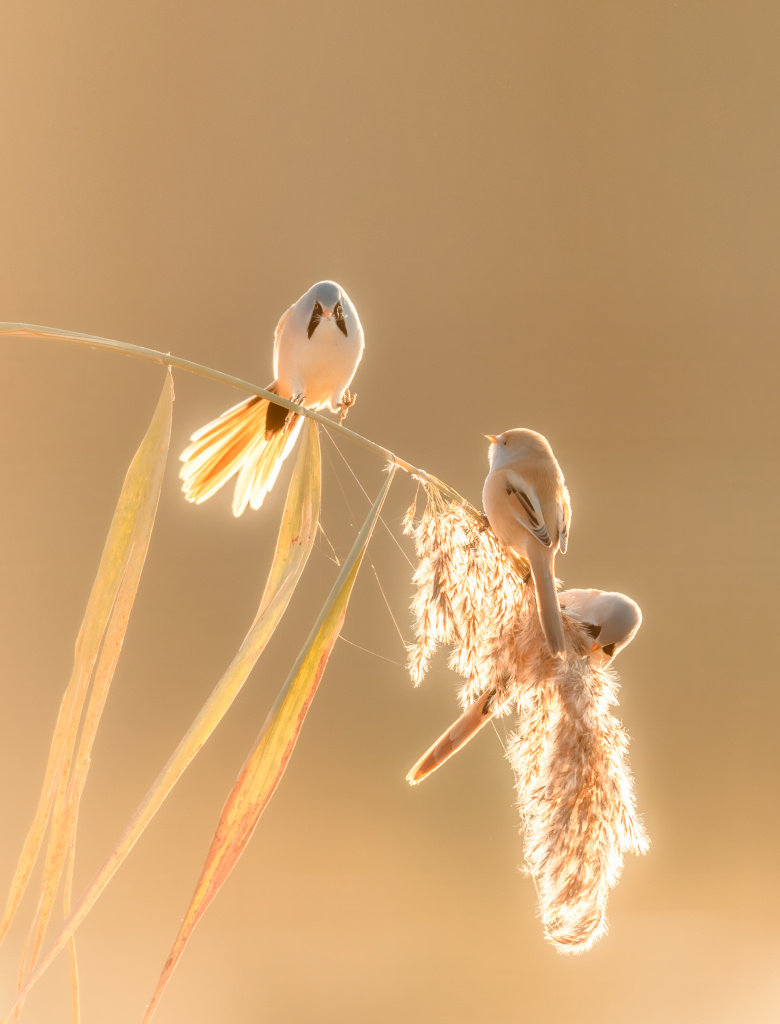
{"x": 514, "y": 445}
{"x": 612, "y": 620}
{"x": 327, "y": 301}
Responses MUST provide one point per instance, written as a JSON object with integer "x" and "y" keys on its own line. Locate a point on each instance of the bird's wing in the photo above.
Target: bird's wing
{"x": 277, "y": 334}
{"x": 564, "y": 519}
{"x": 526, "y": 507}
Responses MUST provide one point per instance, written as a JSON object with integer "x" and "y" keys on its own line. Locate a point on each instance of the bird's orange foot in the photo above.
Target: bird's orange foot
{"x": 299, "y": 399}
{"x": 346, "y": 403}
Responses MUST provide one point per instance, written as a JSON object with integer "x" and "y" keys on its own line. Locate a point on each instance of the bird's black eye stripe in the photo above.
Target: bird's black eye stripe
{"x": 338, "y": 312}
{"x": 316, "y": 316}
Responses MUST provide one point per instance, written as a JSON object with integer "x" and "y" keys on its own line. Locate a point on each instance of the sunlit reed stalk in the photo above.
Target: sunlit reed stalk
{"x": 167, "y": 359}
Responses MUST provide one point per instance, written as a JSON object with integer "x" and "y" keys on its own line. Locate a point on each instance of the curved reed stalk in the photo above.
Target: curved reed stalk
{"x": 153, "y": 355}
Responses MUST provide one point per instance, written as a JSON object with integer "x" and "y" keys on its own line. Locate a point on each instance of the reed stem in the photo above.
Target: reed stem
{"x": 152, "y": 355}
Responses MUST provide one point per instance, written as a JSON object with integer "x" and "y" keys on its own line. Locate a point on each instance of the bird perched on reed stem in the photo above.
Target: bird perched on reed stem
{"x": 527, "y": 505}
{"x": 318, "y": 344}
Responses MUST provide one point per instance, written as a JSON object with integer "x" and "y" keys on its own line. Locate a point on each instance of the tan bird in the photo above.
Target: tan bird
{"x": 611, "y": 619}
{"x": 527, "y": 505}
{"x": 318, "y": 344}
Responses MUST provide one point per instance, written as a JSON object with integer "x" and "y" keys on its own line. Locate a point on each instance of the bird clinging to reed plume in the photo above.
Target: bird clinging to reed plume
{"x": 527, "y": 505}
{"x": 611, "y": 619}
{"x": 318, "y": 344}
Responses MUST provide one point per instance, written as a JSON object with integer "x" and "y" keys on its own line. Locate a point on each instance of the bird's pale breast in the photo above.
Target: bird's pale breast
{"x": 321, "y": 366}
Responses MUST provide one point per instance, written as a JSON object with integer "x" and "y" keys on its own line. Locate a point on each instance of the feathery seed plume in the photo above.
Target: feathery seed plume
{"x": 574, "y": 789}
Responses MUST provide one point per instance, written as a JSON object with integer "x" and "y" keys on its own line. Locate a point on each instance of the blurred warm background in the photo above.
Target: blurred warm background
{"x": 558, "y": 215}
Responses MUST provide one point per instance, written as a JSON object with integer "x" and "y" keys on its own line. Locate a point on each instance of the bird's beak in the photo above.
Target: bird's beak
{"x": 327, "y": 313}
{"x": 492, "y": 438}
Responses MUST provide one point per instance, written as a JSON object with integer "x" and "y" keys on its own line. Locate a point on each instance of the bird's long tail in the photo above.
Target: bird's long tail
{"x": 252, "y": 439}
{"x": 470, "y": 722}
{"x": 549, "y": 608}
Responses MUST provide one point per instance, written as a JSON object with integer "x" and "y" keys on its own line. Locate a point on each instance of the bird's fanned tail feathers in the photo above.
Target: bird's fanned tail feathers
{"x": 262, "y": 463}
{"x": 238, "y": 441}
{"x": 470, "y": 722}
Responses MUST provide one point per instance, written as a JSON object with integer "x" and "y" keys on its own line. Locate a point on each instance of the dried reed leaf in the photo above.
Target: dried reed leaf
{"x": 294, "y": 544}
{"x": 75, "y": 993}
{"x": 266, "y": 764}
{"x": 136, "y": 511}
{"x": 120, "y": 562}
{"x": 574, "y": 789}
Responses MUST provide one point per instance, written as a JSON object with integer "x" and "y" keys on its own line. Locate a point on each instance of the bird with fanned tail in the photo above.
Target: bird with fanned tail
{"x": 318, "y": 345}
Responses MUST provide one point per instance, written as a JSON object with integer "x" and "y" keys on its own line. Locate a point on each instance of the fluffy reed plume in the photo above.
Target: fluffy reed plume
{"x": 468, "y": 587}
{"x": 574, "y": 789}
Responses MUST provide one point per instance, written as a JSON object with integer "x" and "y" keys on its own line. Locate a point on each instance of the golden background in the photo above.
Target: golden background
{"x": 556, "y": 215}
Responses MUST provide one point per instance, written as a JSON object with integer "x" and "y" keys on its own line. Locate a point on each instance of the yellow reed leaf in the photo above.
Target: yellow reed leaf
{"x": 293, "y": 547}
{"x": 267, "y": 762}
{"x": 121, "y": 562}
{"x": 75, "y": 988}
{"x": 136, "y": 511}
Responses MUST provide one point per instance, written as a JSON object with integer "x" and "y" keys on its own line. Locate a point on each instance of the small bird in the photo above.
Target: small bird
{"x": 611, "y": 619}
{"x": 318, "y": 344}
{"x": 528, "y": 507}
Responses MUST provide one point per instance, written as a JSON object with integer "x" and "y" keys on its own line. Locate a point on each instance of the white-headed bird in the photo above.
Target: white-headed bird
{"x": 611, "y": 619}
{"x": 317, "y": 347}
